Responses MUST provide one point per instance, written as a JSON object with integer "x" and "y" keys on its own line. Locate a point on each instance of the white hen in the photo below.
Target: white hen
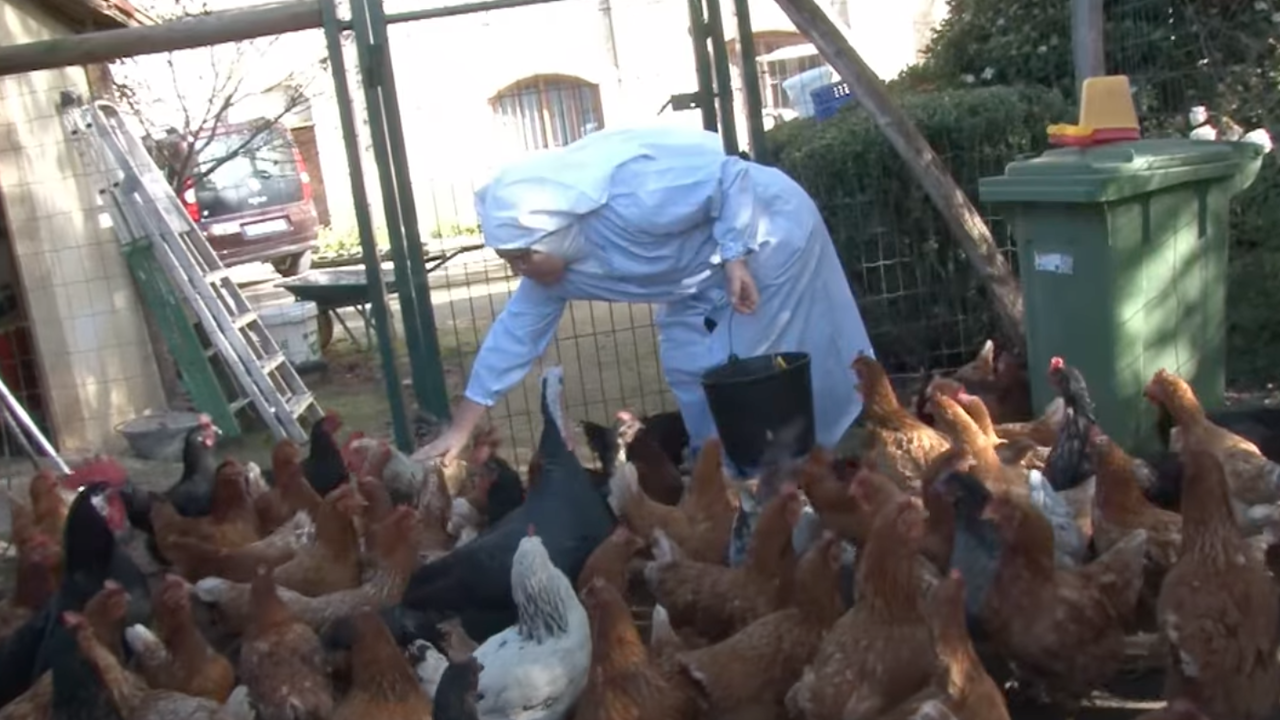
{"x": 537, "y": 668}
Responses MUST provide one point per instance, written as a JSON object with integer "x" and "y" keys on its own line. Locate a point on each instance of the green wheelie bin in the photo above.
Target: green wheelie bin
{"x": 1122, "y": 257}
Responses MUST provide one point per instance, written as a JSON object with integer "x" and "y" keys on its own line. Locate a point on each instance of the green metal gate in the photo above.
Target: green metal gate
{"x": 368, "y": 27}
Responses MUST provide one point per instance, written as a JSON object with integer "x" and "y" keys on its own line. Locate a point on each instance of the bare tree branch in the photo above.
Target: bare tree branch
{"x": 203, "y": 100}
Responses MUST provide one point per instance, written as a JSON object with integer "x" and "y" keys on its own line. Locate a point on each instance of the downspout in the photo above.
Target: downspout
{"x": 610, "y": 40}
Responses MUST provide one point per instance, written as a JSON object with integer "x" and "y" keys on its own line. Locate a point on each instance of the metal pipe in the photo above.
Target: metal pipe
{"x": 364, "y": 224}
{"x": 212, "y": 29}
{"x": 702, "y": 65}
{"x": 373, "y": 74}
{"x": 753, "y": 105}
{"x": 428, "y": 379}
{"x": 12, "y": 405}
{"x": 724, "y": 80}
{"x": 610, "y": 37}
{"x": 1088, "y": 52}
{"x": 463, "y": 9}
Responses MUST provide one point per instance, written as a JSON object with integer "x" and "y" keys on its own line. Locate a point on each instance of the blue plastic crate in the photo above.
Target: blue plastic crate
{"x": 829, "y": 98}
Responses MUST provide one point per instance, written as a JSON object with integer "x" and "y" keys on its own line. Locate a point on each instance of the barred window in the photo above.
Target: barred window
{"x": 547, "y": 111}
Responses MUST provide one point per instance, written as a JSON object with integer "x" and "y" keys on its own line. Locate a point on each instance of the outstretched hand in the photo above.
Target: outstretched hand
{"x": 445, "y": 448}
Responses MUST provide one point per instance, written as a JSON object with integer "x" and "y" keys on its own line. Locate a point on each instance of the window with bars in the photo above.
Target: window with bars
{"x": 772, "y": 73}
{"x": 548, "y": 111}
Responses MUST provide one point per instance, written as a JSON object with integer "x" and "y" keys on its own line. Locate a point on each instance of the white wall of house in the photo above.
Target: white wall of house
{"x": 449, "y": 71}
{"x": 88, "y": 325}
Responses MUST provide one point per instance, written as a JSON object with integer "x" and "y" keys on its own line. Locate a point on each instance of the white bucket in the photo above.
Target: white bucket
{"x": 293, "y": 325}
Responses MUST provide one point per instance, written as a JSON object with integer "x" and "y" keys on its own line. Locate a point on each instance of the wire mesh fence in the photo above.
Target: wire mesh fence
{"x": 1212, "y": 70}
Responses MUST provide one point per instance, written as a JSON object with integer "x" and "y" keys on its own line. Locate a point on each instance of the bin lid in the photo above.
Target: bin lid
{"x": 1120, "y": 170}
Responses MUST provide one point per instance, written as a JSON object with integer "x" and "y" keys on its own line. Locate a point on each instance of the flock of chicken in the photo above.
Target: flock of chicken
{"x": 354, "y": 583}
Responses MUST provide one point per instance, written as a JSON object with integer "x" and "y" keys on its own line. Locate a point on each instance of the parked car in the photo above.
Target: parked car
{"x": 252, "y": 197}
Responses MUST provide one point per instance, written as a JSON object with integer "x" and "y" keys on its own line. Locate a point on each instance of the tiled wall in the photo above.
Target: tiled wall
{"x": 98, "y": 365}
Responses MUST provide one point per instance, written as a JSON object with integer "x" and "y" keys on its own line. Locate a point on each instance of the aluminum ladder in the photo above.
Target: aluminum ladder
{"x": 144, "y": 209}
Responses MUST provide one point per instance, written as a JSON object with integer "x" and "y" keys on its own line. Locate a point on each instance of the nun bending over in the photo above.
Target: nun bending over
{"x": 664, "y": 216}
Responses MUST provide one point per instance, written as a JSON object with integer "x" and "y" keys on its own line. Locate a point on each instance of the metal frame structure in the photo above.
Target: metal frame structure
{"x": 368, "y": 26}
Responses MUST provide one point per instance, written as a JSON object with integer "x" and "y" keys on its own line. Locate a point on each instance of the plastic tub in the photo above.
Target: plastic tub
{"x": 158, "y": 436}
{"x": 756, "y": 397}
{"x": 294, "y": 327}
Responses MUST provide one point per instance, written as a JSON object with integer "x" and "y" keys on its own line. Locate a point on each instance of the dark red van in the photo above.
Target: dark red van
{"x": 252, "y": 197}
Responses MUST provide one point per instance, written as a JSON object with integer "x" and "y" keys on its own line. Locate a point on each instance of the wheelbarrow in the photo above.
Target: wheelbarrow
{"x": 334, "y": 289}
{"x": 346, "y": 286}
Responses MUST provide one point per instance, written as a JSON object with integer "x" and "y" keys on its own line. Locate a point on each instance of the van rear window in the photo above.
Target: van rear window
{"x": 262, "y": 155}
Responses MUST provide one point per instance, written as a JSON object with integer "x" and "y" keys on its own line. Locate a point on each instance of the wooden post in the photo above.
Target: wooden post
{"x": 1088, "y": 49}
{"x": 962, "y": 219}
{"x": 211, "y": 29}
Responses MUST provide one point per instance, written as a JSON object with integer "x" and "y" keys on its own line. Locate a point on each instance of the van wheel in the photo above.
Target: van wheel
{"x": 293, "y": 265}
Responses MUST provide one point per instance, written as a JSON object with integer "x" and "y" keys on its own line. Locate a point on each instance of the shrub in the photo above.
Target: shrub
{"x": 1178, "y": 53}
{"x": 920, "y": 299}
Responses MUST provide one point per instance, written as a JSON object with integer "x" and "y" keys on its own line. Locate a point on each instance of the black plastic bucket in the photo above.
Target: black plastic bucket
{"x": 753, "y": 398}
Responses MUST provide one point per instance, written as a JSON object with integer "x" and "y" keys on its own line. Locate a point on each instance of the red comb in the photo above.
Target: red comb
{"x": 99, "y": 469}
{"x": 204, "y": 420}
{"x": 1056, "y": 363}
{"x": 532, "y": 532}
{"x": 955, "y": 574}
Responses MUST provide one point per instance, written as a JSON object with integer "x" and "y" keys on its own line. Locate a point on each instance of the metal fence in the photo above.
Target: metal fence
{"x": 1221, "y": 57}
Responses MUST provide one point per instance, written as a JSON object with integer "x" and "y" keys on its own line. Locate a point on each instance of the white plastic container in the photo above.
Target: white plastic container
{"x": 294, "y": 327}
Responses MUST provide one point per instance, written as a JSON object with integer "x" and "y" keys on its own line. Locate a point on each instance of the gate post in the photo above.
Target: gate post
{"x": 364, "y": 225}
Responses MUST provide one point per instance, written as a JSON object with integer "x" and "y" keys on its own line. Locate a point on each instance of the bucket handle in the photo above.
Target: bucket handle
{"x": 733, "y": 356}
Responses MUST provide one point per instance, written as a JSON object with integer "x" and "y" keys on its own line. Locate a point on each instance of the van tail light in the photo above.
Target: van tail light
{"x": 303, "y": 175}
{"x": 189, "y": 201}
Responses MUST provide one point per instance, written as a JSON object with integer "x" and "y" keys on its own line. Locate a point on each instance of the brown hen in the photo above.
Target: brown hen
{"x": 383, "y": 686}
{"x": 961, "y": 685}
{"x": 1218, "y": 607}
{"x": 625, "y": 684}
{"x": 754, "y": 669}
{"x": 702, "y": 521}
{"x": 177, "y": 656}
{"x": 1062, "y": 628}
{"x": 898, "y": 445}
{"x": 880, "y": 652}
{"x": 282, "y": 661}
{"x": 332, "y": 562}
{"x": 716, "y": 601}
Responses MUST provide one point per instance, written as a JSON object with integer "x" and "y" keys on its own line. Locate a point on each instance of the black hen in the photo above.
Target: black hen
{"x": 506, "y": 493}
{"x": 325, "y": 467}
{"x": 603, "y": 443}
{"x": 192, "y": 494}
{"x": 1070, "y": 464}
{"x": 90, "y": 557}
{"x": 457, "y": 693}
{"x": 474, "y": 581}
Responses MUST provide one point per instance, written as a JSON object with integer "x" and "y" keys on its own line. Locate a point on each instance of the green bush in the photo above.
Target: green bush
{"x": 1177, "y": 53}
{"x": 920, "y": 299}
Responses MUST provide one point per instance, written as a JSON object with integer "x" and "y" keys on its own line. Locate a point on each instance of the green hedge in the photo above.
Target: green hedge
{"x": 921, "y": 301}
{"x": 1177, "y": 53}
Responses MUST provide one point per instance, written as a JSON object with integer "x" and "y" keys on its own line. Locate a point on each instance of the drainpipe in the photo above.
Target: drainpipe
{"x": 610, "y": 41}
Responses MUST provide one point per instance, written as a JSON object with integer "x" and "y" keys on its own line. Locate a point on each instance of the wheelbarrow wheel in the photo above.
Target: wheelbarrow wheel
{"x": 324, "y": 328}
